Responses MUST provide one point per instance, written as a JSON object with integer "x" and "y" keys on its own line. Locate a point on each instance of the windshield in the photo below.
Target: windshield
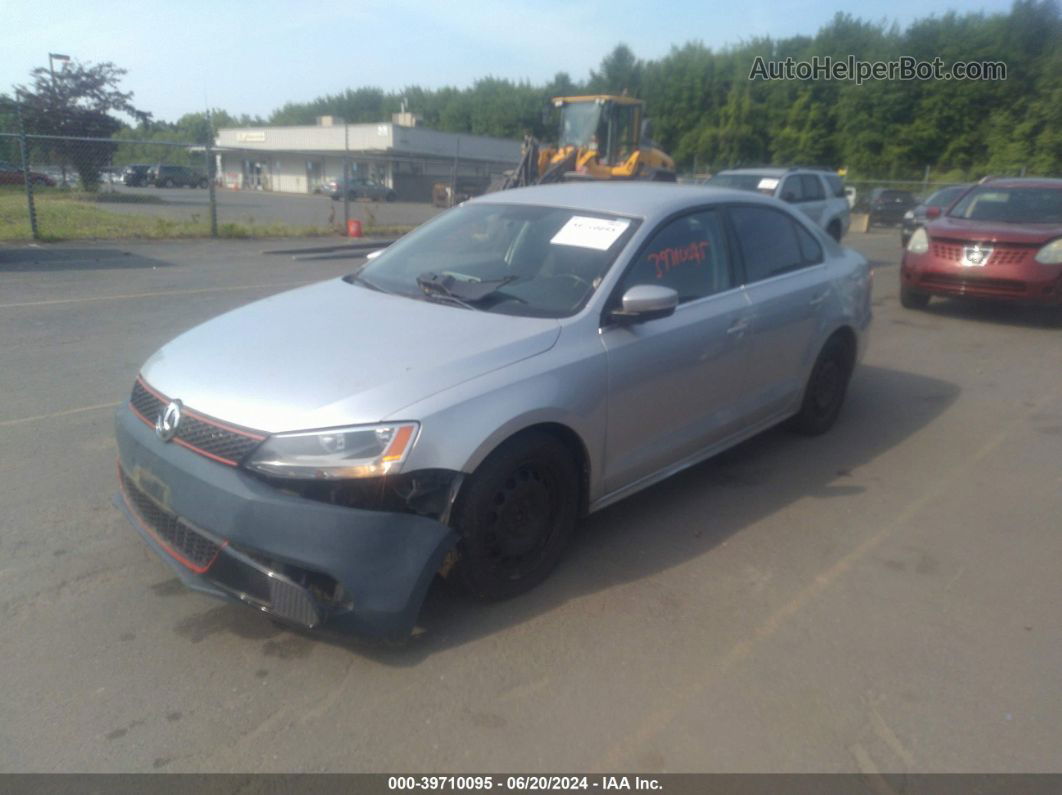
{"x": 579, "y": 123}
{"x": 945, "y": 196}
{"x": 745, "y": 182}
{"x": 1011, "y": 205}
{"x": 513, "y": 259}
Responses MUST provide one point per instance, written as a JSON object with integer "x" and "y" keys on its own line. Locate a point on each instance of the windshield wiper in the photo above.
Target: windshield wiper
{"x": 460, "y": 291}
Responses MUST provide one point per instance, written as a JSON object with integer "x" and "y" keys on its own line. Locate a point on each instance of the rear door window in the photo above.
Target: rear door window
{"x": 769, "y": 242}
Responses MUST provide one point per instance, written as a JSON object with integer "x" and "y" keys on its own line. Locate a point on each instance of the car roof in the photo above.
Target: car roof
{"x": 1024, "y": 182}
{"x": 770, "y": 171}
{"x": 650, "y": 200}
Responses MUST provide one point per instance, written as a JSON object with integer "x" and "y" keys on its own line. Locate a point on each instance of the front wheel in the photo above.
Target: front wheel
{"x": 515, "y": 517}
{"x": 826, "y": 389}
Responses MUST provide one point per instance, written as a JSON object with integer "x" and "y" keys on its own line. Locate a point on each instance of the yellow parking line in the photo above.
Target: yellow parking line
{"x": 155, "y": 294}
{"x": 54, "y": 414}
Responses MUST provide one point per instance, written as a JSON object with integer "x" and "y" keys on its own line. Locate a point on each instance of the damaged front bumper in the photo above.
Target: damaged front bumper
{"x": 231, "y": 535}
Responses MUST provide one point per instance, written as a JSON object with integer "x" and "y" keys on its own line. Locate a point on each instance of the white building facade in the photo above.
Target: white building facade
{"x": 407, "y": 158}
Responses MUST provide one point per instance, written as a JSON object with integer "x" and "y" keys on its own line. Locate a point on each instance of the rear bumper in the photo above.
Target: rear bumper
{"x": 233, "y": 536}
{"x": 1025, "y": 283}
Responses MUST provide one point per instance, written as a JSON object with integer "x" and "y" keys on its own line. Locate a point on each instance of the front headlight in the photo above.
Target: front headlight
{"x": 1051, "y": 254}
{"x": 909, "y": 215}
{"x": 361, "y": 451}
{"x": 919, "y": 242}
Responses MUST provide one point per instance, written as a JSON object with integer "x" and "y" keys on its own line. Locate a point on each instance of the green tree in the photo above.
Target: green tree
{"x": 78, "y": 102}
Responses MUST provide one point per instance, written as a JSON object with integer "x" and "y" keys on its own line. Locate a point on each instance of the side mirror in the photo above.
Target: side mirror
{"x": 646, "y": 302}
{"x": 932, "y": 212}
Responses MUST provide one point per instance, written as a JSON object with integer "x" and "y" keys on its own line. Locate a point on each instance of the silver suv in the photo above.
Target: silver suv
{"x": 816, "y": 192}
{"x": 459, "y": 401}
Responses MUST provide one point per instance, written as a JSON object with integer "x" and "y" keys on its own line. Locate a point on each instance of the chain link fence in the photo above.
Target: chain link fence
{"x": 69, "y": 188}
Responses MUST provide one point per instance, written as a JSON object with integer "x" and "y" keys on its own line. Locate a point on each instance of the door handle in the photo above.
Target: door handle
{"x": 819, "y": 299}
{"x": 738, "y": 327}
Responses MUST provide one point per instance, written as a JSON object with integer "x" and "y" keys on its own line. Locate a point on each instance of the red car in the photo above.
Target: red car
{"x": 1002, "y": 240}
{"x": 12, "y": 175}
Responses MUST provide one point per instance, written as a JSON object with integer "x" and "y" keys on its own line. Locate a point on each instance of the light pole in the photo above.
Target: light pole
{"x": 52, "y": 58}
{"x": 64, "y": 59}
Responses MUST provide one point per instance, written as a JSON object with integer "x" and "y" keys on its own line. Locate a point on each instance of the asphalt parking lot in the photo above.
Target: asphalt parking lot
{"x": 262, "y": 207}
{"x": 883, "y": 598}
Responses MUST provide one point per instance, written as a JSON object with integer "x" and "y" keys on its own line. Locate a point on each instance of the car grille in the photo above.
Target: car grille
{"x": 1001, "y": 255}
{"x": 999, "y": 285}
{"x": 190, "y": 547}
{"x": 195, "y": 431}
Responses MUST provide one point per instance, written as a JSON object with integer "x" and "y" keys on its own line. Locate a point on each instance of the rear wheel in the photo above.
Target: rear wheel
{"x": 912, "y": 300}
{"x": 515, "y": 517}
{"x": 826, "y": 388}
{"x": 167, "y": 183}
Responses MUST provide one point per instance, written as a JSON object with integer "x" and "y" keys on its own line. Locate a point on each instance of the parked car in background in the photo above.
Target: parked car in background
{"x": 818, "y": 193}
{"x": 10, "y": 174}
{"x": 886, "y": 206}
{"x": 359, "y": 188}
{"x": 549, "y": 351}
{"x": 916, "y": 216}
{"x": 136, "y": 175}
{"x": 165, "y": 176}
{"x": 1001, "y": 240}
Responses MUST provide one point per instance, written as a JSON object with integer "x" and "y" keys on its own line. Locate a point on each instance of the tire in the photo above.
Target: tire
{"x": 353, "y": 195}
{"x": 826, "y": 388}
{"x": 515, "y": 516}
{"x": 909, "y": 299}
{"x": 203, "y": 183}
{"x": 167, "y": 183}
{"x": 834, "y": 230}
{"x": 390, "y": 197}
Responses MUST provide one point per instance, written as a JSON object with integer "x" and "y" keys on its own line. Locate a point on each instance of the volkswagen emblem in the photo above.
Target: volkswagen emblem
{"x": 976, "y": 254}
{"x": 168, "y": 420}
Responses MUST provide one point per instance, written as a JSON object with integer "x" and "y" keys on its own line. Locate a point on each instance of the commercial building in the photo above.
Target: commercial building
{"x": 406, "y": 157}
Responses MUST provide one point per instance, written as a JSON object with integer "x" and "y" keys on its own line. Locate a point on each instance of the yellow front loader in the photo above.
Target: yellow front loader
{"x": 601, "y": 136}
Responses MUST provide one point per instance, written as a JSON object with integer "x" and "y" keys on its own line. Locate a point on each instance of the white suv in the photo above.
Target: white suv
{"x": 817, "y": 192}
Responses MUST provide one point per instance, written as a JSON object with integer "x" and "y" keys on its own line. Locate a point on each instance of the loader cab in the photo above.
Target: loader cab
{"x": 608, "y": 125}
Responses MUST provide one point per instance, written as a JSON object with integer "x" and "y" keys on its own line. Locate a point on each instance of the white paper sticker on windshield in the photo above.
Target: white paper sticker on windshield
{"x": 768, "y": 183}
{"x": 597, "y": 233}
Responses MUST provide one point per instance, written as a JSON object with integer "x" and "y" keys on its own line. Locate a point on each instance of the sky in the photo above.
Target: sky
{"x": 254, "y": 56}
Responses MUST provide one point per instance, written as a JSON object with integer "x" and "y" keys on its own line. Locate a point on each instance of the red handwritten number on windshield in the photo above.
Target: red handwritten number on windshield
{"x": 668, "y": 258}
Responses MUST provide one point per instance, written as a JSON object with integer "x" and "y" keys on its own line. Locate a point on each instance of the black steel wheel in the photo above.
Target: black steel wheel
{"x": 826, "y": 388}
{"x": 515, "y": 516}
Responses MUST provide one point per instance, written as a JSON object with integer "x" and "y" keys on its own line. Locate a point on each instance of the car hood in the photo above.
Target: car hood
{"x": 333, "y": 354}
{"x": 947, "y": 228}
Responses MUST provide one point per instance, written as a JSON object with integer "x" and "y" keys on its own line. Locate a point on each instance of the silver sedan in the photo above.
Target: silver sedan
{"x": 457, "y": 403}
